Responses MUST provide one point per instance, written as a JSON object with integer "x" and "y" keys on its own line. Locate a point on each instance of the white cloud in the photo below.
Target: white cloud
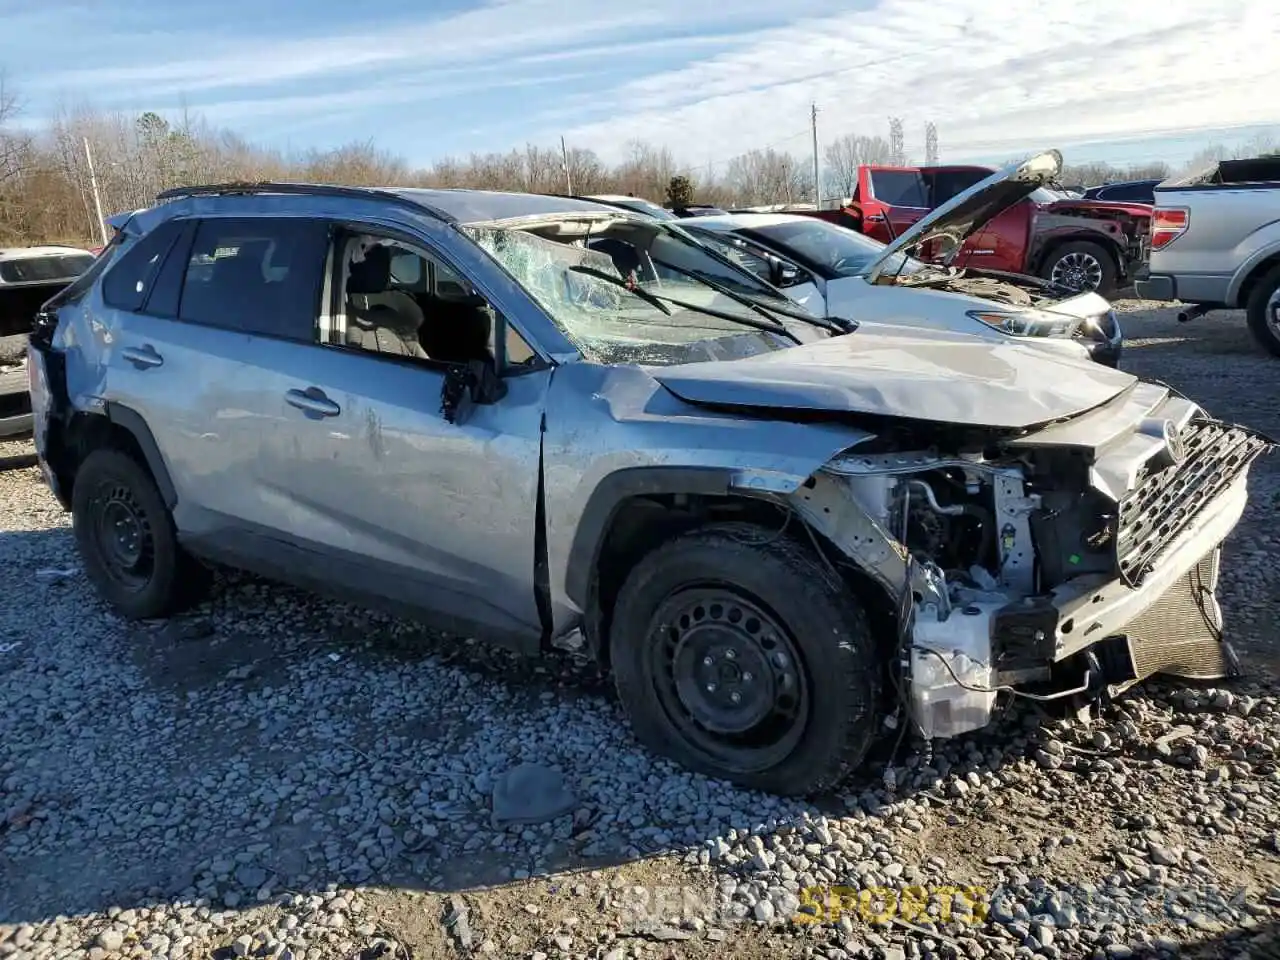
{"x": 994, "y": 79}
{"x": 491, "y": 34}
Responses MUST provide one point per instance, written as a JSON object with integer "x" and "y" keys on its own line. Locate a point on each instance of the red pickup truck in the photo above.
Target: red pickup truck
{"x": 1080, "y": 244}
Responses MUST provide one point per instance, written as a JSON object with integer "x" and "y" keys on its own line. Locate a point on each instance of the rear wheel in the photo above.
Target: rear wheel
{"x": 1081, "y": 266}
{"x": 741, "y": 655}
{"x": 127, "y": 539}
{"x": 1263, "y": 310}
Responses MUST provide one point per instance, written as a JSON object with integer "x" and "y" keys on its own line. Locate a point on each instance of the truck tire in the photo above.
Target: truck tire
{"x": 741, "y": 655}
{"x": 127, "y": 539}
{"x": 1090, "y": 264}
{"x": 1263, "y": 323}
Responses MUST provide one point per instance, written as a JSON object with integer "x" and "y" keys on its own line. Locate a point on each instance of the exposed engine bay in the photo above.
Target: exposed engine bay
{"x": 1047, "y": 571}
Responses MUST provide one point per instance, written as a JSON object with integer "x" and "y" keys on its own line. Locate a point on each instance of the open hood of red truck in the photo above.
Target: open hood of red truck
{"x": 968, "y": 212}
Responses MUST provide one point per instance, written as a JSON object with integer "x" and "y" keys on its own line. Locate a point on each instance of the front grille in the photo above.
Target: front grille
{"x": 1179, "y": 635}
{"x": 1165, "y": 501}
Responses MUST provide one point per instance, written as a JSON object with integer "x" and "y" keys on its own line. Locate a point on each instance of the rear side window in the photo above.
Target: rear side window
{"x": 127, "y": 283}
{"x": 899, "y": 188}
{"x": 256, "y": 275}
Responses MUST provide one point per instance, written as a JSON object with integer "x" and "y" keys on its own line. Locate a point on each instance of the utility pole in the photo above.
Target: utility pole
{"x": 564, "y": 162}
{"x": 817, "y": 184}
{"x": 97, "y": 199}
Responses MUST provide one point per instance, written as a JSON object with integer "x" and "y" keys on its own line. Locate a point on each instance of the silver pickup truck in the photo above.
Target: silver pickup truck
{"x": 1215, "y": 244}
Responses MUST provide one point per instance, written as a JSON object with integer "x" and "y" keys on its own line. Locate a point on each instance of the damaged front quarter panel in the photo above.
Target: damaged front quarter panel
{"x": 1054, "y": 567}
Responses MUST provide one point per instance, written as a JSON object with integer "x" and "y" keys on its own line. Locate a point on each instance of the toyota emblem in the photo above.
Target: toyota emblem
{"x": 1173, "y": 442}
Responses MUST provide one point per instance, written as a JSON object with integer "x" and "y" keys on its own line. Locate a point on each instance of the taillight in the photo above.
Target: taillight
{"x": 1167, "y": 225}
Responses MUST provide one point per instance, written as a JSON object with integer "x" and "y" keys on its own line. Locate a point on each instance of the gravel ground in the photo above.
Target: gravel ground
{"x": 281, "y": 776}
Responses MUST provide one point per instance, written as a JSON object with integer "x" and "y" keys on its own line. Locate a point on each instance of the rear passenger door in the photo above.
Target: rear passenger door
{"x": 200, "y": 310}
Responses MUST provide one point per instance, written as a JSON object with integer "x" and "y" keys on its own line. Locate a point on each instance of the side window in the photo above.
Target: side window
{"x": 259, "y": 276}
{"x": 899, "y": 188}
{"x": 128, "y": 281}
{"x": 400, "y": 300}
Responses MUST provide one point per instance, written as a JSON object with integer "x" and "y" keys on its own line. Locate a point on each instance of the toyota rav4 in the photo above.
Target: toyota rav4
{"x": 534, "y": 419}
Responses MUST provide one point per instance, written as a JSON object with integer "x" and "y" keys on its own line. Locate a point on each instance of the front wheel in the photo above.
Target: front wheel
{"x": 741, "y": 655}
{"x": 1263, "y": 312}
{"x": 1081, "y": 266}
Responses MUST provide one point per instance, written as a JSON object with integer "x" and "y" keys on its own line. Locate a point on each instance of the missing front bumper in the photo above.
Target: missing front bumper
{"x": 955, "y": 673}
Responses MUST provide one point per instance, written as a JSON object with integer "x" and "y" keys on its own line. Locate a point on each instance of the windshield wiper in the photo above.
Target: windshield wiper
{"x": 644, "y": 295}
{"x": 751, "y": 303}
{"x": 659, "y": 300}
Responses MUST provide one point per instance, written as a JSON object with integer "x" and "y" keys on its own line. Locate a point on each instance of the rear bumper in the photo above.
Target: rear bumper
{"x": 15, "y": 402}
{"x": 1155, "y": 288}
{"x": 1185, "y": 287}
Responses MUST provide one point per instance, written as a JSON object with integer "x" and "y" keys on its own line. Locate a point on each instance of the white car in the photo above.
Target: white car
{"x": 28, "y": 277}
{"x": 837, "y": 272}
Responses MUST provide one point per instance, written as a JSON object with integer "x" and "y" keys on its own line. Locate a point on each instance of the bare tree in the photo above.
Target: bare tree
{"x": 770, "y": 176}
{"x": 845, "y": 155}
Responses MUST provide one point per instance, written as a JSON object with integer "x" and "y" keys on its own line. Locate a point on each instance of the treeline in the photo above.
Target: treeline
{"x": 46, "y": 190}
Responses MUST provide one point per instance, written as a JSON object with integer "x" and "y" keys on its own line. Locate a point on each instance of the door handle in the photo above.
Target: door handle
{"x": 874, "y": 218}
{"x": 312, "y": 402}
{"x": 143, "y": 357}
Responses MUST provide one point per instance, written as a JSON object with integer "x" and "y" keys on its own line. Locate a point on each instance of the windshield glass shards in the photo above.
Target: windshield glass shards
{"x": 617, "y": 303}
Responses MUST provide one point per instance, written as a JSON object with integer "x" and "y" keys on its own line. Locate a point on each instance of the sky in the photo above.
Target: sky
{"x": 711, "y": 79}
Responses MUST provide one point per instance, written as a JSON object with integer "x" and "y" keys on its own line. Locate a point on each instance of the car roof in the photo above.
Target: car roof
{"x": 49, "y": 250}
{"x": 750, "y": 221}
{"x": 478, "y": 206}
{"x": 459, "y": 205}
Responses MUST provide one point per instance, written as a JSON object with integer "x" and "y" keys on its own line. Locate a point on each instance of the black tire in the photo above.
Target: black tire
{"x": 714, "y": 574}
{"x": 1256, "y": 312}
{"x": 112, "y": 491}
{"x": 1103, "y": 264}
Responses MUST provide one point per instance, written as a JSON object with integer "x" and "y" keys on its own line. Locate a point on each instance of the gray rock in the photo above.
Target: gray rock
{"x": 530, "y": 794}
{"x": 110, "y": 940}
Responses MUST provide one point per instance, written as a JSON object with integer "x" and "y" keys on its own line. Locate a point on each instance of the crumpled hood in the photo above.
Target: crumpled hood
{"x": 891, "y": 371}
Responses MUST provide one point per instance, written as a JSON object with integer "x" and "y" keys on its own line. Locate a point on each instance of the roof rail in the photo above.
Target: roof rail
{"x": 246, "y": 187}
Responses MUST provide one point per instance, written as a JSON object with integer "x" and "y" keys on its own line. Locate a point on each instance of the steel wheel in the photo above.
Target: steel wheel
{"x": 1077, "y": 270}
{"x": 729, "y": 677}
{"x": 1273, "y": 313}
{"x": 122, "y": 537}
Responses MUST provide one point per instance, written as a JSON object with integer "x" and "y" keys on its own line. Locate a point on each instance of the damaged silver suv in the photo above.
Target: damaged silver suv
{"x": 531, "y": 419}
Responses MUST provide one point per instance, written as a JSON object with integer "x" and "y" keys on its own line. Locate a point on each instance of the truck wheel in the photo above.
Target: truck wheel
{"x": 1263, "y": 311}
{"x": 741, "y": 655}
{"x": 1081, "y": 266}
{"x": 127, "y": 540}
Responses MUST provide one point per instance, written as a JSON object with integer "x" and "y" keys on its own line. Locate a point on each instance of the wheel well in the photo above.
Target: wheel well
{"x": 1255, "y": 276}
{"x": 641, "y": 524}
{"x": 1097, "y": 239}
{"x": 85, "y": 433}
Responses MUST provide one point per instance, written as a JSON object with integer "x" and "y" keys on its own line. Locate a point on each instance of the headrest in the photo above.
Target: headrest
{"x": 373, "y": 273}
{"x": 238, "y": 269}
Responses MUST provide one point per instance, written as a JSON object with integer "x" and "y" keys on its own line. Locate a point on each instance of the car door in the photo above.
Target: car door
{"x": 380, "y": 491}
{"x": 183, "y": 312}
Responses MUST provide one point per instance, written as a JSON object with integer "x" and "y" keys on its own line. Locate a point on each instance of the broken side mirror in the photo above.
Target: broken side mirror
{"x": 475, "y": 382}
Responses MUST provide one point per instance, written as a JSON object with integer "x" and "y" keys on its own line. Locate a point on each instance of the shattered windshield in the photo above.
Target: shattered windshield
{"x": 640, "y": 299}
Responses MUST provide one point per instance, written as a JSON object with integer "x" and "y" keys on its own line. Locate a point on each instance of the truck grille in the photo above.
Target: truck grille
{"x": 1165, "y": 501}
